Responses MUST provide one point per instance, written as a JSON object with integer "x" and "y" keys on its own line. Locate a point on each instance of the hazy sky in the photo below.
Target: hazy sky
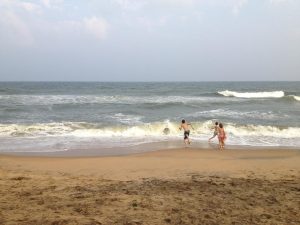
{"x": 149, "y": 40}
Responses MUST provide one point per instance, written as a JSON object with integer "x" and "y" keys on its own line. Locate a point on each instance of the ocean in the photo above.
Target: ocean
{"x": 61, "y": 116}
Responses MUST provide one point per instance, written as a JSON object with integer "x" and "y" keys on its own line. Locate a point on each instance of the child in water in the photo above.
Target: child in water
{"x": 221, "y": 136}
{"x": 185, "y": 126}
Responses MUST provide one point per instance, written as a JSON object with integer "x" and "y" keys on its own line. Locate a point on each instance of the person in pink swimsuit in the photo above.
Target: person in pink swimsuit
{"x": 221, "y": 136}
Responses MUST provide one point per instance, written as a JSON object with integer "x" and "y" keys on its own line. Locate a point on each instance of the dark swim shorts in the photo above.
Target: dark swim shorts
{"x": 186, "y": 134}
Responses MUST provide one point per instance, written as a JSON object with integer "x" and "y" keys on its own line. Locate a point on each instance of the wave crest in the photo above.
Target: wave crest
{"x": 295, "y": 97}
{"x": 156, "y": 129}
{"x": 270, "y": 94}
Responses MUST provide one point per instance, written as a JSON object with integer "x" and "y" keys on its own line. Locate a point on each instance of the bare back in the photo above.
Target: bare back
{"x": 185, "y": 126}
{"x": 216, "y": 128}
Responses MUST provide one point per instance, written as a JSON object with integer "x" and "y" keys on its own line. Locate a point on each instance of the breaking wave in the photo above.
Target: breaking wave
{"x": 52, "y": 137}
{"x": 294, "y": 97}
{"x": 270, "y": 94}
{"x": 83, "y": 129}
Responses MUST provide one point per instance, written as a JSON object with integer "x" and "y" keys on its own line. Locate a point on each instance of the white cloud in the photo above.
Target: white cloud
{"x": 96, "y": 26}
{"x": 278, "y": 1}
{"x": 12, "y": 5}
{"x": 4, "y": 3}
{"x": 131, "y": 5}
{"x": 238, "y": 5}
{"x": 30, "y": 7}
{"x": 46, "y": 3}
{"x": 15, "y": 29}
{"x": 55, "y": 4}
{"x": 93, "y": 26}
{"x": 178, "y": 3}
{"x": 151, "y": 24}
{"x": 15, "y": 24}
{"x": 134, "y": 5}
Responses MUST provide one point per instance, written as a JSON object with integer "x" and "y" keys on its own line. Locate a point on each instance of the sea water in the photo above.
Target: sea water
{"x": 60, "y": 116}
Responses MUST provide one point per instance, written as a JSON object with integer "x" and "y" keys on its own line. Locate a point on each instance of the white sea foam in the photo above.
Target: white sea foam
{"x": 125, "y": 119}
{"x": 295, "y": 97}
{"x": 215, "y": 113}
{"x": 81, "y": 130}
{"x": 266, "y": 131}
{"x": 270, "y": 94}
{"x": 70, "y": 135}
{"x": 143, "y": 130}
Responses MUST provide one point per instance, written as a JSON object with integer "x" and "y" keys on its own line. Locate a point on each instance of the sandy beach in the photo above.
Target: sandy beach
{"x": 175, "y": 186}
{"x": 115, "y": 112}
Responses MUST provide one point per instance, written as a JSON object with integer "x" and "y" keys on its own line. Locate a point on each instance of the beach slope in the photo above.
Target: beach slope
{"x": 178, "y": 186}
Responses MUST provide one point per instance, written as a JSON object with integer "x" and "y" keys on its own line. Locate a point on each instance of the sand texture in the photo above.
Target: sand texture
{"x": 194, "y": 186}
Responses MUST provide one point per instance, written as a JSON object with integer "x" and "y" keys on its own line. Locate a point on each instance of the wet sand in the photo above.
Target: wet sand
{"x": 177, "y": 186}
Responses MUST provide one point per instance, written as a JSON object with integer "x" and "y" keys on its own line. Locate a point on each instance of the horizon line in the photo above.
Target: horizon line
{"x": 122, "y": 81}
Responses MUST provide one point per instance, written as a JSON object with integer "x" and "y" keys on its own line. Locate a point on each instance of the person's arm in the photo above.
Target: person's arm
{"x": 191, "y": 126}
{"x": 180, "y": 127}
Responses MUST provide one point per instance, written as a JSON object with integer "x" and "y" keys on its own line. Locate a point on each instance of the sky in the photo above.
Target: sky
{"x": 149, "y": 40}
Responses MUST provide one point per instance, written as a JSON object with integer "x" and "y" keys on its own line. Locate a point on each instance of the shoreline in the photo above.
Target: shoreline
{"x": 140, "y": 149}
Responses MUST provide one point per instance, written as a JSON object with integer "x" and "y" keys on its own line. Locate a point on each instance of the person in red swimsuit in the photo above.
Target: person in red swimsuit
{"x": 221, "y": 136}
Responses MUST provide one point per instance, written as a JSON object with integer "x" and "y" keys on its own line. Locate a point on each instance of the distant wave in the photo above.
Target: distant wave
{"x": 294, "y": 97}
{"x": 216, "y": 113}
{"x": 270, "y": 94}
{"x": 297, "y": 98}
{"x": 99, "y": 99}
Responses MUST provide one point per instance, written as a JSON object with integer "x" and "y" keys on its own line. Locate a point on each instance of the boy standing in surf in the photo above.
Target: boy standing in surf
{"x": 215, "y": 130}
{"x": 185, "y": 126}
{"x": 221, "y": 136}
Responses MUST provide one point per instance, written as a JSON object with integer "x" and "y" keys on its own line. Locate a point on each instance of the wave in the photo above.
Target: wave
{"x": 94, "y": 99}
{"x": 267, "y": 131}
{"x": 125, "y": 118}
{"x": 83, "y": 129}
{"x": 144, "y": 130}
{"x": 294, "y": 97}
{"x": 80, "y": 135}
{"x": 217, "y": 113}
{"x": 270, "y": 94}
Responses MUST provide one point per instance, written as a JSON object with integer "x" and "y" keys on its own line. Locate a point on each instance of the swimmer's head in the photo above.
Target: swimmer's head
{"x": 182, "y": 121}
{"x": 166, "y": 131}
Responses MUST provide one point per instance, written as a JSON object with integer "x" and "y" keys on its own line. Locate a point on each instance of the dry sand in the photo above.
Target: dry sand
{"x": 179, "y": 186}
